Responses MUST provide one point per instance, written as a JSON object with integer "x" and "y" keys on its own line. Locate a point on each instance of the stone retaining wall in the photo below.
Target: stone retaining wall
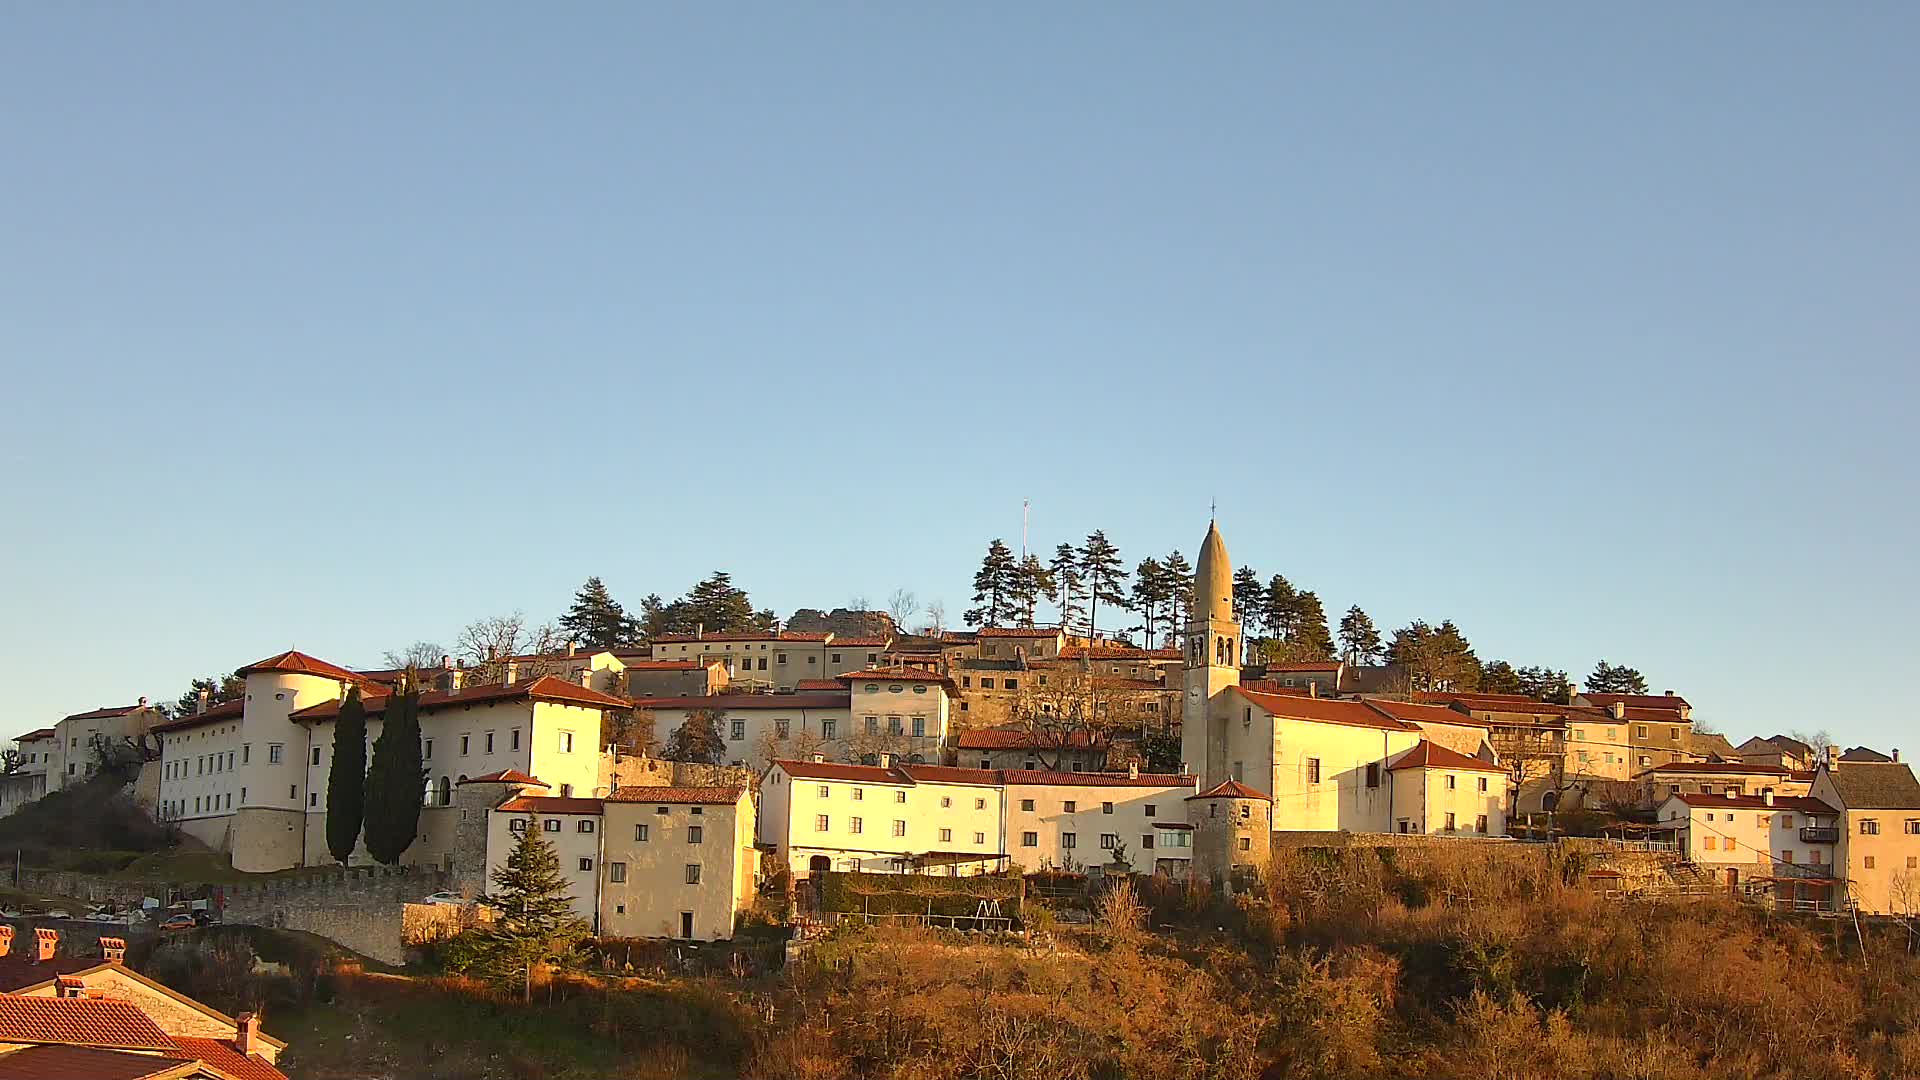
{"x": 361, "y": 908}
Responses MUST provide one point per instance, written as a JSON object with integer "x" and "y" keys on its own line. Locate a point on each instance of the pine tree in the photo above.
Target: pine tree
{"x": 1105, "y": 574}
{"x": 1066, "y": 591}
{"x": 534, "y": 921}
{"x": 1435, "y": 658}
{"x": 697, "y": 739}
{"x": 396, "y": 780}
{"x": 1359, "y": 639}
{"x": 1611, "y": 679}
{"x": 994, "y": 587}
{"x": 1545, "y": 684}
{"x": 1151, "y": 594}
{"x": 658, "y": 617}
{"x": 596, "y": 620}
{"x": 347, "y": 781}
{"x": 716, "y": 605}
{"x": 1031, "y": 581}
{"x": 1180, "y": 584}
{"x": 1249, "y": 601}
{"x": 1311, "y": 641}
{"x": 1282, "y": 610}
{"x": 1498, "y": 677}
{"x": 219, "y": 688}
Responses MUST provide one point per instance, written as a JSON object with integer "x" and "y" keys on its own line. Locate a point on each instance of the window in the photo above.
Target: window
{"x": 919, "y": 727}
{"x": 550, "y": 825}
{"x": 1786, "y": 856}
{"x": 246, "y": 753}
{"x": 1640, "y": 732}
{"x": 820, "y": 823}
{"x": 1146, "y": 841}
{"x": 1866, "y": 862}
{"x": 1452, "y": 784}
{"x": 1071, "y": 806}
{"x": 737, "y": 730}
{"x": 293, "y": 791}
{"x": 466, "y": 745}
{"x": 1869, "y": 827}
{"x": 1373, "y": 775}
{"x": 1480, "y": 823}
{"x": 979, "y": 804}
{"x": 893, "y": 726}
{"x": 313, "y": 798}
{"x": 693, "y": 873}
{"x": 660, "y": 810}
{"x": 566, "y": 742}
{"x": 779, "y": 658}
{"x": 1026, "y": 805}
{"x": 1106, "y": 808}
{"x": 586, "y": 864}
{"x": 986, "y": 684}
{"x": 1483, "y": 790}
{"x": 1069, "y": 840}
{"x": 1246, "y": 843}
{"x": 1731, "y": 843}
{"x": 1711, "y": 843}
{"x": 640, "y": 833}
{"x": 426, "y": 749}
{"x": 489, "y": 742}
{"x": 856, "y": 826}
{"x": 316, "y": 755}
{"x": 859, "y": 794}
{"x": 899, "y": 796}
{"x": 981, "y": 838}
{"x": 836, "y": 658}
{"x": 1913, "y": 862}
{"x": 966, "y": 680}
{"x": 1013, "y": 684}
{"x": 1674, "y": 734}
{"x": 946, "y": 802}
{"x": 1109, "y": 841}
{"x": 873, "y": 725}
{"x": 825, "y": 791}
{"x": 781, "y": 728}
{"x": 946, "y": 836}
{"x": 1913, "y": 827}
{"x": 585, "y": 826}
{"x": 1029, "y": 839}
{"x": 617, "y": 872}
{"x": 1313, "y": 770}
{"x": 693, "y": 834}
{"x": 275, "y": 751}
{"x": 828, "y": 727}
{"x": 899, "y": 827}
{"x": 513, "y": 739}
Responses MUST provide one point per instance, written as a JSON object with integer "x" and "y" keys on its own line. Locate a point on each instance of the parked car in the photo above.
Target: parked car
{"x": 182, "y": 921}
{"x": 452, "y": 898}
{"x": 58, "y": 913}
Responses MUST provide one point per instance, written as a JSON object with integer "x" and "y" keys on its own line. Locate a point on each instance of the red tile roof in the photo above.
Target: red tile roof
{"x": 1268, "y": 686}
{"x": 88, "y": 1063}
{"x": 1716, "y": 767}
{"x": 805, "y": 685}
{"x": 1307, "y": 665}
{"x": 19, "y": 969}
{"x": 224, "y": 1056}
{"x": 901, "y": 674}
{"x": 833, "y": 770}
{"x": 957, "y": 637}
{"x": 1325, "y": 710}
{"x": 506, "y": 776}
{"x": 729, "y": 702}
{"x": 1430, "y": 714}
{"x": 300, "y": 663}
{"x": 1022, "y": 739}
{"x": 1017, "y": 632}
{"x": 117, "y": 1025}
{"x": 737, "y": 635}
{"x": 947, "y": 774}
{"x": 226, "y": 710}
{"x": 720, "y": 795}
{"x": 1231, "y": 789}
{"x": 35, "y": 736}
{"x": 104, "y": 713}
{"x": 860, "y": 642}
{"x": 666, "y": 665}
{"x": 1663, "y": 702}
{"x": 1431, "y": 755}
{"x": 1802, "y": 803}
{"x": 544, "y": 688}
{"x": 1096, "y": 779}
{"x": 1117, "y": 652}
{"x": 550, "y": 804}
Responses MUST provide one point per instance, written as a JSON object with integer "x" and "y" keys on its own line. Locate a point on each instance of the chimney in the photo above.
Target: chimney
{"x": 1670, "y": 693}
{"x": 1896, "y": 753}
{"x": 48, "y": 942}
{"x": 446, "y": 662}
{"x": 1313, "y": 688}
{"x": 1767, "y": 796}
{"x": 699, "y": 631}
{"x": 6, "y": 939}
{"x": 886, "y": 761}
{"x": 1619, "y": 710}
{"x": 586, "y": 678}
{"x": 1732, "y": 792}
{"x": 246, "y": 1030}
{"x": 572, "y": 646}
{"x": 490, "y": 652}
{"x": 113, "y": 950}
{"x": 200, "y": 701}
{"x": 143, "y": 701}
{"x": 1133, "y": 770}
{"x": 819, "y": 759}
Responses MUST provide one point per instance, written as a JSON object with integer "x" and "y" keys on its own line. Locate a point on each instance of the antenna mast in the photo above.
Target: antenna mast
{"x": 1026, "y": 515}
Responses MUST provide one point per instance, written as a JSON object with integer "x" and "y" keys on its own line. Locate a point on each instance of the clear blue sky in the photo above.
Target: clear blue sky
{"x": 339, "y": 327}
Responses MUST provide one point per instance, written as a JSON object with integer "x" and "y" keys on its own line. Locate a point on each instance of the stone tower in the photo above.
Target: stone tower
{"x": 1212, "y": 662}
{"x": 1232, "y": 834}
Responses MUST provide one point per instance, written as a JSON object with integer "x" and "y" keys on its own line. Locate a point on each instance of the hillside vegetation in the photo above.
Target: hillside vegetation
{"x": 1455, "y": 962}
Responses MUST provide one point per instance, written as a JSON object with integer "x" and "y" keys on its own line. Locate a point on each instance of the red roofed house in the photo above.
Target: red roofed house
{"x": 1786, "y": 840}
{"x": 889, "y": 817}
{"x": 674, "y": 678}
{"x": 68, "y": 756}
{"x": 1444, "y": 792}
{"x": 29, "y": 781}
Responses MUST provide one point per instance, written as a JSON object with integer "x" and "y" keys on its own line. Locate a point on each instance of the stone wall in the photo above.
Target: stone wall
{"x": 1310, "y": 839}
{"x": 99, "y": 890}
{"x": 658, "y": 772}
{"x": 361, "y": 908}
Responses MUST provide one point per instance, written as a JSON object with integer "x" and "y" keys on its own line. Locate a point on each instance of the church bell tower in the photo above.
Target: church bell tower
{"x": 1212, "y": 662}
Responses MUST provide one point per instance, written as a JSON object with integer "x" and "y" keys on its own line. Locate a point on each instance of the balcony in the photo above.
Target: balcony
{"x": 1820, "y": 834}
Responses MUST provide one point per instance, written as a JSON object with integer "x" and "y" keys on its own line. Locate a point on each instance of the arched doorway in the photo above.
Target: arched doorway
{"x": 819, "y": 864}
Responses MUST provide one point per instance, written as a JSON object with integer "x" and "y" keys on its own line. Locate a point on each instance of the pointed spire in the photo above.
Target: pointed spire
{"x": 1213, "y": 580}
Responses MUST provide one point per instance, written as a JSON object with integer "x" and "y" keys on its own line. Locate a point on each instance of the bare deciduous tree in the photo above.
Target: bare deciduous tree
{"x": 902, "y": 605}
{"x": 1069, "y": 708}
{"x": 420, "y": 654}
{"x": 502, "y": 645}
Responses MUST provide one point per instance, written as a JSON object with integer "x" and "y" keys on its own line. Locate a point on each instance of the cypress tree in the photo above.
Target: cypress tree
{"x": 396, "y": 780}
{"x": 347, "y": 782}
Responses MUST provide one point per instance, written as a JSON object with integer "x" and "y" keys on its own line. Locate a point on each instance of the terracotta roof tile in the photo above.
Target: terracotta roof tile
{"x": 666, "y": 665}
{"x": 809, "y": 685}
{"x": 1414, "y": 713}
{"x": 226, "y": 710}
{"x": 860, "y": 642}
{"x": 35, "y": 736}
{"x": 506, "y": 776}
{"x": 715, "y": 795}
{"x": 224, "y": 1056}
{"x": 549, "y": 804}
{"x": 1663, "y": 702}
{"x": 1735, "y": 768}
{"x": 1055, "y": 778}
{"x": 1117, "y": 652}
{"x": 19, "y": 969}
{"x": 833, "y": 770}
{"x": 105, "y": 713}
{"x": 300, "y": 663}
{"x": 900, "y": 674}
{"x": 738, "y": 635}
{"x": 118, "y": 1025}
{"x": 1325, "y": 710}
{"x": 1022, "y": 739}
{"x": 88, "y": 1063}
{"x": 544, "y": 688}
{"x": 947, "y": 774}
{"x": 728, "y": 702}
{"x": 1231, "y": 789}
{"x": 1801, "y": 803}
{"x": 1307, "y": 665}
{"x": 1431, "y": 755}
